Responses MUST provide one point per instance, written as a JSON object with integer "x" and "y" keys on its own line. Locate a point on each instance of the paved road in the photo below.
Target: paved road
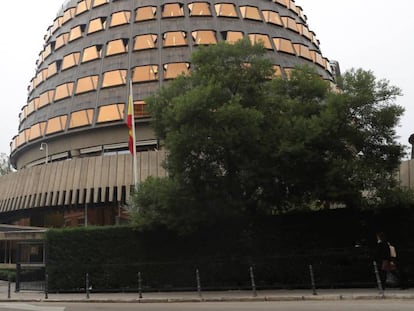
{"x": 365, "y": 305}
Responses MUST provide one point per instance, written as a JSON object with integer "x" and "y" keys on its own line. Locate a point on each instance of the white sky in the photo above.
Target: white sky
{"x": 370, "y": 34}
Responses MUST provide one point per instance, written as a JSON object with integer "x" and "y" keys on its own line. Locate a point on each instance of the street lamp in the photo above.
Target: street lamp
{"x": 46, "y": 147}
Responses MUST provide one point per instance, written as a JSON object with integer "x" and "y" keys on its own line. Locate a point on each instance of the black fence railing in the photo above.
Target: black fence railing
{"x": 31, "y": 278}
{"x": 333, "y": 268}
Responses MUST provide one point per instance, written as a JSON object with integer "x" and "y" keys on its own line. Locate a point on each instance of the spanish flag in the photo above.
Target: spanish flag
{"x": 130, "y": 123}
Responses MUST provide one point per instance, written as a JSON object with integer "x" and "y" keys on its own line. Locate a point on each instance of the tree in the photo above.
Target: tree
{"x": 242, "y": 142}
{"x": 5, "y": 166}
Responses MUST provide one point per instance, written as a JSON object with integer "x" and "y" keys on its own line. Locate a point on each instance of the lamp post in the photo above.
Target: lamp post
{"x": 46, "y": 148}
{"x": 411, "y": 141}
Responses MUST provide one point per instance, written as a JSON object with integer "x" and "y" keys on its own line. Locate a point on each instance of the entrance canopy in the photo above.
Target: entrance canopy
{"x": 21, "y": 233}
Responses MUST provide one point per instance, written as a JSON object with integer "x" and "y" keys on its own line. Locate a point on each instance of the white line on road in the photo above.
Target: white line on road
{"x": 23, "y": 306}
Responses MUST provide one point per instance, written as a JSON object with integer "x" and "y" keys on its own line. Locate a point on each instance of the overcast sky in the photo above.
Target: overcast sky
{"x": 370, "y": 34}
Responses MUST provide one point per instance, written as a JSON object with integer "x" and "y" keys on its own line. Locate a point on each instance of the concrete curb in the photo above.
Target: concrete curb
{"x": 325, "y": 297}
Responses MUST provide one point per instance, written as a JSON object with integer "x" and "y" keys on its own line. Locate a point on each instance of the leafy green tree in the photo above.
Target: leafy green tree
{"x": 5, "y": 166}
{"x": 242, "y": 142}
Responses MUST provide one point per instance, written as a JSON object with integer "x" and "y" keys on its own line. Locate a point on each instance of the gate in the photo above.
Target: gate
{"x": 30, "y": 266}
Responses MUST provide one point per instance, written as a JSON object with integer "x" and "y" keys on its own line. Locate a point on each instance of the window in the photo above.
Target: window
{"x": 199, "y": 9}
{"x": 64, "y": 90}
{"x": 175, "y": 38}
{"x": 272, "y": 18}
{"x": 172, "y": 10}
{"x": 97, "y": 24}
{"x": 145, "y": 73}
{"x": 226, "y": 10}
{"x": 56, "y": 124}
{"x": 173, "y": 70}
{"x": 304, "y": 31}
{"x": 91, "y": 53}
{"x": 23, "y": 137}
{"x": 23, "y": 114}
{"x": 145, "y": 13}
{"x": 53, "y": 68}
{"x": 61, "y": 40}
{"x": 284, "y": 45}
{"x": 259, "y": 38}
{"x": 32, "y": 105}
{"x": 314, "y": 39}
{"x": 144, "y": 42}
{"x": 83, "y": 6}
{"x": 37, "y": 130}
{"x": 40, "y": 60}
{"x": 285, "y": 3}
{"x": 300, "y": 13}
{"x": 86, "y": 84}
{"x": 120, "y": 18}
{"x": 81, "y": 118}
{"x": 140, "y": 110}
{"x": 204, "y": 37}
{"x": 68, "y": 15}
{"x": 40, "y": 77}
{"x": 70, "y": 60}
{"x": 114, "y": 78}
{"x": 293, "y": 7}
{"x": 232, "y": 36}
{"x": 118, "y": 46}
{"x": 76, "y": 32}
{"x": 99, "y": 2}
{"x": 288, "y": 72}
{"x": 110, "y": 113}
{"x": 56, "y": 24}
{"x": 47, "y": 50}
{"x": 14, "y": 143}
{"x": 48, "y": 35}
{"x": 290, "y": 23}
{"x": 250, "y": 12}
{"x": 317, "y": 58}
{"x": 46, "y": 98}
{"x": 302, "y": 51}
{"x": 277, "y": 71}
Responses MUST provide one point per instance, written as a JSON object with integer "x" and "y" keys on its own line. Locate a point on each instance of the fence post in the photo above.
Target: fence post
{"x": 139, "y": 285}
{"x": 253, "y": 282}
{"x": 8, "y": 286}
{"x": 87, "y": 285}
{"x": 46, "y": 286}
{"x": 18, "y": 273}
{"x": 378, "y": 278}
{"x": 312, "y": 280}
{"x": 198, "y": 283}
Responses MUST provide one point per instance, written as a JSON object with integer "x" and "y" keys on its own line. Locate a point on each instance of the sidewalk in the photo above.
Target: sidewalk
{"x": 211, "y": 296}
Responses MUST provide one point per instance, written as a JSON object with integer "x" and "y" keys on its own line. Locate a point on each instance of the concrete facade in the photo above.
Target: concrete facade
{"x": 406, "y": 174}
{"x": 68, "y": 186}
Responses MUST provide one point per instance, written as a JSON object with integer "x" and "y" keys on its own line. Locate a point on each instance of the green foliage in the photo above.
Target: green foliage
{"x": 242, "y": 144}
{"x": 280, "y": 248}
{"x": 161, "y": 202}
{"x": 6, "y": 274}
{"x": 5, "y": 166}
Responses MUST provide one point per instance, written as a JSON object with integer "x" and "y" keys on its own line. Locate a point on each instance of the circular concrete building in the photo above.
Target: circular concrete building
{"x": 71, "y": 149}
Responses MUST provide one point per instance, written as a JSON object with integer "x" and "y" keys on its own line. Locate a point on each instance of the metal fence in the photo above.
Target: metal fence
{"x": 333, "y": 268}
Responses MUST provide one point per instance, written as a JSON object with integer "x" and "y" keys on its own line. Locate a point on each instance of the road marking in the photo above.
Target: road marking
{"x": 23, "y": 306}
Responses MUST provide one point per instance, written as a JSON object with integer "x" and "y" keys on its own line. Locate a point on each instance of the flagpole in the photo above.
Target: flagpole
{"x": 134, "y": 148}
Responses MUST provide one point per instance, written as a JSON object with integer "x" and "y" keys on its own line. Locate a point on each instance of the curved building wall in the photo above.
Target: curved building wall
{"x": 76, "y": 100}
{"x": 101, "y": 182}
{"x": 76, "y": 104}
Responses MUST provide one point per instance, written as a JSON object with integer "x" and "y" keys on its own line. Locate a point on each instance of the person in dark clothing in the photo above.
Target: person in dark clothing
{"x": 382, "y": 257}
